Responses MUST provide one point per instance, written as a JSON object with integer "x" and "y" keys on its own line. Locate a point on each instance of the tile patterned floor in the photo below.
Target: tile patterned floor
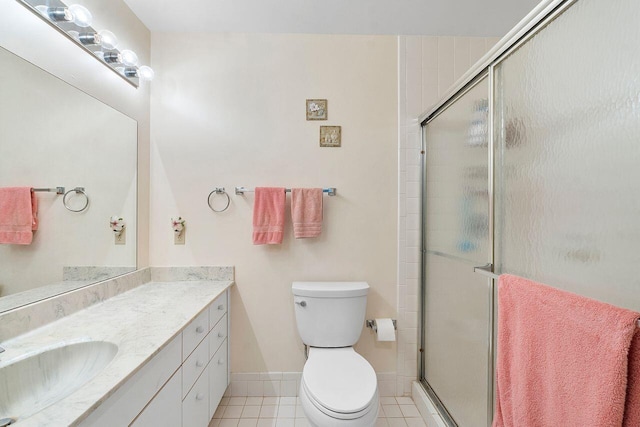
{"x": 287, "y": 412}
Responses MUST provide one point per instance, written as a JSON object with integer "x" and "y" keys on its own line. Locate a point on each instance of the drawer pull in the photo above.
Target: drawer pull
{"x": 199, "y": 329}
{"x": 221, "y": 307}
{"x": 220, "y": 335}
{"x": 199, "y": 364}
{"x": 220, "y": 361}
{"x": 199, "y": 396}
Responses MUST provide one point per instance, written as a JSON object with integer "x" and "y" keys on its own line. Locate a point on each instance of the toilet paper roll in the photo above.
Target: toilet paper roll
{"x": 386, "y": 331}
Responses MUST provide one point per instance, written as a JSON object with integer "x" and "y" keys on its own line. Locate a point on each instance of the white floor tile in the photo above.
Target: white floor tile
{"x": 237, "y": 401}
{"x": 288, "y": 400}
{"x": 268, "y": 411}
{"x": 232, "y": 412}
{"x": 286, "y": 411}
{"x": 302, "y": 422}
{"x": 410, "y": 411}
{"x": 396, "y": 422}
{"x": 415, "y": 422}
{"x": 388, "y": 401}
{"x": 300, "y": 412}
{"x": 251, "y": 412}
{"x": 285, "y": 422}
{"x": 271, "y": 401}
{"x": 248, "y": 422}
{"x": 254, "y": 401}
{"x": 381, "y": 422}
{"x": 404, "y": 400}
{"x": 229, "y": 422}
{"x": 392, "y": 411}
{"x": 266, "y": 422}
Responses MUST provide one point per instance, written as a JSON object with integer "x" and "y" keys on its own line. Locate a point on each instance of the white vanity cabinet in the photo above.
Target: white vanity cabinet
{"x": 182, "y": 385}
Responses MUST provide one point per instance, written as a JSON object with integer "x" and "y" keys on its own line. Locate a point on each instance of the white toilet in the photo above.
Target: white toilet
{"x": 338, "y": 387}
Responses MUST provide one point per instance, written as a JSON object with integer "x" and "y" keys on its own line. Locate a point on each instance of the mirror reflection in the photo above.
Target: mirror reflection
{"x": 54, "y": 135}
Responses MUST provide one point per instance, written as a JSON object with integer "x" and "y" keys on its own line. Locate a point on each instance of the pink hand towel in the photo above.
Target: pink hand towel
{"x": 562, "y": 358}
{"x": 268, "y": 215}
{"x": 18, "y": 215}
{"x": 306, "y": 212}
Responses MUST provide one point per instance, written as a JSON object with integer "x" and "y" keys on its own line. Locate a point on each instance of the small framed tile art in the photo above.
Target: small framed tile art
{"x": 330, "y": 136}
{"x": 316, "y": 109}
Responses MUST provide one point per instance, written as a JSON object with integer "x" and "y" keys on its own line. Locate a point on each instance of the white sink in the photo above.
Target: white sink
{"x": 30, "y": 384}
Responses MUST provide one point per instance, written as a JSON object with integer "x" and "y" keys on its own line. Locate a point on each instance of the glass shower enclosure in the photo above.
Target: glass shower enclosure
{"x": 532, "y": 167}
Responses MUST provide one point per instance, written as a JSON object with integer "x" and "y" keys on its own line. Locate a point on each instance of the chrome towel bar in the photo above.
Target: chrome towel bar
{"x": 331, "y": 191}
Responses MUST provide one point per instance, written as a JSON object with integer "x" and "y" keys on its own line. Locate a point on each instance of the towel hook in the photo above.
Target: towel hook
{"x": 219, "y": 190}
{"x": 77, "y": 190}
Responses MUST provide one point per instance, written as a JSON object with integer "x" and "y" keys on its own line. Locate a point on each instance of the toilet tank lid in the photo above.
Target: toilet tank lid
{"x": 330, "y": 289}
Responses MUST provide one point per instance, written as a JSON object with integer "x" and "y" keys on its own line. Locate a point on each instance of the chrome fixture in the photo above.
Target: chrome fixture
{"x": 1, "y": 350}
{"x": 75, "y": 21}
{"x": 241, "y": 190}
{"x": 371, "y": 323}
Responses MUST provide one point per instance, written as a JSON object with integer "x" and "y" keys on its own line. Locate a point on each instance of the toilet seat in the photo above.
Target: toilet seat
{"x": 339, "y": 382}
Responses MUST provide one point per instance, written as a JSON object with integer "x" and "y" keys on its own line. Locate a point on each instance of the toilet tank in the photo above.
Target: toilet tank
{"x": 330, "y": 314}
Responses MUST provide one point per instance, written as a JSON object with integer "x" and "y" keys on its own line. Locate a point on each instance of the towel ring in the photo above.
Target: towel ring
{"x": 75, "y": 190}
{"x": 219, "y": 190}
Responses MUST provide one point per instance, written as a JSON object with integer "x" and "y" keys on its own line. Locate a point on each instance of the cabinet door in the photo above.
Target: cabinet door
{"x": 166, "y": 408}
{"x": 195, "y": 407}
{"x": 218, "y": 377}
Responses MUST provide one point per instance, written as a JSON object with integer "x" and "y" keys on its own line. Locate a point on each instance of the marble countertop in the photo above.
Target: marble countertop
{"x": 140, "y": 322}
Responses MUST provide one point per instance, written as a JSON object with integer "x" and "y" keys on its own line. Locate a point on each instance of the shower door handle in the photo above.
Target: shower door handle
{"x": 486, "y": 270}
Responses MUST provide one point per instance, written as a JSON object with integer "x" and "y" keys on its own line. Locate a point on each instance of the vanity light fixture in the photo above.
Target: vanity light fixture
{"x": 75, "y": 21}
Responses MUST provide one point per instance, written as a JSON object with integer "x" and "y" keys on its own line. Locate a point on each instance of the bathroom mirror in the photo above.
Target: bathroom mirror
{"x": 54, "y": 135}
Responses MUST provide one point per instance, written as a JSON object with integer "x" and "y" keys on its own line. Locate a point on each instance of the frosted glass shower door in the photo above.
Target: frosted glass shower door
{"x": 568, "y": 154}
{"x": 456, "y": 232}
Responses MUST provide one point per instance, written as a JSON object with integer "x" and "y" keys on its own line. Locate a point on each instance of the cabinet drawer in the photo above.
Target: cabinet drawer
{"x": 217, "y": 336}
{"x": 165, "y": 408}
{"x": 217, "y": 309}
{"x": 195, "y": 407}
{"x": 218, "y": 379}
{"x": 194, "y": 366}
{"x": 194, "y": 333}
{"x": 126, "y": 403}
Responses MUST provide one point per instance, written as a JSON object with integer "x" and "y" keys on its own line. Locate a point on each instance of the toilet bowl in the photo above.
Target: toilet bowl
{"x": 339, "y": 387}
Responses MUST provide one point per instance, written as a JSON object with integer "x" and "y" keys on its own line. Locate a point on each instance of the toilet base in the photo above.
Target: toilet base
{"x": 317, "y": 418}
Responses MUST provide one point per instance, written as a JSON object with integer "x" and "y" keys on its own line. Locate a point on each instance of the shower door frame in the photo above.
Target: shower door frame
{"x": 533, "y": 23}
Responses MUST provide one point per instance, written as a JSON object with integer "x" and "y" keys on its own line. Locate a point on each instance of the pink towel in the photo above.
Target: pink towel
{"x": 632, "y": 408}
{"x": 562, "y": 358}
{"x": 18, "y": 215}
{"x": 268, "y": 215}
{"x": 306, "y": 212}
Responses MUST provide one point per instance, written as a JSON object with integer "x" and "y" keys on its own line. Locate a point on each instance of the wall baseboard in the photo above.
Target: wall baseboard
{"x": 287, "y": 384}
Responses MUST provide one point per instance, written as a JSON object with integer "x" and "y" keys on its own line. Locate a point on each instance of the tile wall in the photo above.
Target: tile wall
{"x": 427, "y": 67}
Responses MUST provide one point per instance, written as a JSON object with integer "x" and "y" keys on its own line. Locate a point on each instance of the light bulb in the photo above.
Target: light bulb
{"x": 81, "y": 15}
{"x": 146, "y": 73}
{"x": 109, "y": 40}
{"x": 129, "y": 58}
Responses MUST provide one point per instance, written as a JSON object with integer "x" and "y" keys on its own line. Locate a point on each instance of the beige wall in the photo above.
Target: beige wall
{"x": 229, "y": 110}
{"x": 26, "y": 35}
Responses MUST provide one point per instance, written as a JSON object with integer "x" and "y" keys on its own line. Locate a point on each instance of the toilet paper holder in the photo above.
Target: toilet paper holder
{"x": 371, "y": 323}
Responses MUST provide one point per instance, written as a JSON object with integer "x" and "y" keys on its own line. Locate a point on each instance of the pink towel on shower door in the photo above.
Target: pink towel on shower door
{"x": 562, "y": 358}
{"x": 268, "y": 215}
{"x": 306, "y": 212}
{"x": 632, "y": 408}
{"x": 18, "y": 215}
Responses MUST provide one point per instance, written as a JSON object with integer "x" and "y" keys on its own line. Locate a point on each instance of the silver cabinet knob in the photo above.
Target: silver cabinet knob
{"x": 220, "y": 361}
{"x": 221, "y": 307}
{"x": 199, "y": 396}
{"x": 199, "y": 364}
{"x": 199, "y": 329}
{"x": 220, "y": 335}
{"x": 301, "y": 303}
